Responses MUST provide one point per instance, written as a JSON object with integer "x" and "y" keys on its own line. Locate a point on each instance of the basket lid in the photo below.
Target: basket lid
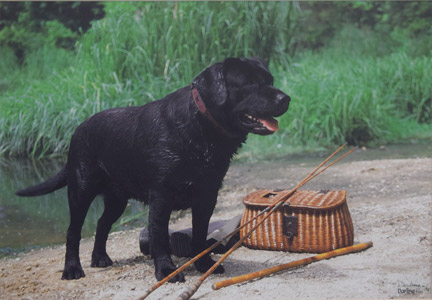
{"x": 319, "y": 200}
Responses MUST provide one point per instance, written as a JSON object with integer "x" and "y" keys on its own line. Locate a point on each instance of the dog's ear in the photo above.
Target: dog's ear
{"x": 211, "y": 85}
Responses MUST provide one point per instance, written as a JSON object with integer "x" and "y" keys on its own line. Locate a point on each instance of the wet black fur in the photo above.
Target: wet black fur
{"x": 166, "y": 154}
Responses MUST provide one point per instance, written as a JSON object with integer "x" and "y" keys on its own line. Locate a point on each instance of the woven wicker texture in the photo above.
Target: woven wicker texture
{"x": 323, "y": 221}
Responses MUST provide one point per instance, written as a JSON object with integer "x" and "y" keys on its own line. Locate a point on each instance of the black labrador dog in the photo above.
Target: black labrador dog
{"x": 171, "y": 154}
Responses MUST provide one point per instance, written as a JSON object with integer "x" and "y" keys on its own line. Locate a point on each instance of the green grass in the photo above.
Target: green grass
{"x": 351, "y": 90}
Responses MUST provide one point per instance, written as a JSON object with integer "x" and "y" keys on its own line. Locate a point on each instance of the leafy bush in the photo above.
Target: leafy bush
{"x": 392, "y": 21}
{"x": 28, "y": 26}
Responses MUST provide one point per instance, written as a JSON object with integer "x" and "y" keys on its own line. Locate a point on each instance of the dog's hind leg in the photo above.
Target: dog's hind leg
{"x": 114, "y": 208}
{"x": 79, "y": 203}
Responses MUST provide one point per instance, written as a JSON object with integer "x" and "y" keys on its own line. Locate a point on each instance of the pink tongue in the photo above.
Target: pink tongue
{"x": 271, "y": 124}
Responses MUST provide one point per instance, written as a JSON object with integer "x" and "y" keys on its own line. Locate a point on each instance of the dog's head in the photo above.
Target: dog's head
{"x": 240, "y": 96}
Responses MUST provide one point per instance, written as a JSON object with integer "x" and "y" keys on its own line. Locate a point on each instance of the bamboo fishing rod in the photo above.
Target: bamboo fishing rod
{"x": 279, "y": 199}
{"x": 194, "y": 287}
{"x": 191, "y": 261}
{"x": 291, "y": 265}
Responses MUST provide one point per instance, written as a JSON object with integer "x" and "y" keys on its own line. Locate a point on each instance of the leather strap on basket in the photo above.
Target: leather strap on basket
{"x": 290, "y": 226}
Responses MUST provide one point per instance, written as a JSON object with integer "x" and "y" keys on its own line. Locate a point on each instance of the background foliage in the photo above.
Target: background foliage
{"x": 356, "y": 71}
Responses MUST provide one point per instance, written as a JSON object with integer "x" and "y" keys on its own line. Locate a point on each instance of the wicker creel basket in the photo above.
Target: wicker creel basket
{"x": 309, "y": 221}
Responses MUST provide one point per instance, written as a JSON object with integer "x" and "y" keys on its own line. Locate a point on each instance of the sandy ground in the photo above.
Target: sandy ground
{"x": 390, "y": 203}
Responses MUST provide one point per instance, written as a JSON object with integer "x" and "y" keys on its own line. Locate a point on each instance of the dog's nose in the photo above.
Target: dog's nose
{"x": 282, "y": 99}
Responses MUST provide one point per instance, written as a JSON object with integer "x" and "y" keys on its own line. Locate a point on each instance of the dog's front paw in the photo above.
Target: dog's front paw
{"x": 72, "y": 271}
{"x": 164, "y": 266}
{"x": 101, "y": 260}
{"x": 204, "y": 263}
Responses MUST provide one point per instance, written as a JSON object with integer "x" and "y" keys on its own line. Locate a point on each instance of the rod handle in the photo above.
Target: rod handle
{"x": 189, "y": 291}
{"x": 293, "y": 264}
{"x": 145, "y": 295}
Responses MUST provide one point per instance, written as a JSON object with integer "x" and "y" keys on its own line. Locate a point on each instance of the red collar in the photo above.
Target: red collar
{"x": 203, "y": 109}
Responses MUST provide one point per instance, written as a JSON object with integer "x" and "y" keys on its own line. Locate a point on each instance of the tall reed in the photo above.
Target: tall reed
{"x": 138, "y": 53}
{"x": 141, "y": 51}
{"x": 339, "y": 95}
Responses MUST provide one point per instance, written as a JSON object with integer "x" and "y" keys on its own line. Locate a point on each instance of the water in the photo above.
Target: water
{"x": 39, "y": 221}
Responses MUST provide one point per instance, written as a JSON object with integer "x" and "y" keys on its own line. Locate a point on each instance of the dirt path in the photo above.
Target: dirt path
{"x": 390, "y": 203}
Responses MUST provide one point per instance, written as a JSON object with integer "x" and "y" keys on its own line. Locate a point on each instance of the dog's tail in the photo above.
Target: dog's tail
{"x": 54, "y": 183}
